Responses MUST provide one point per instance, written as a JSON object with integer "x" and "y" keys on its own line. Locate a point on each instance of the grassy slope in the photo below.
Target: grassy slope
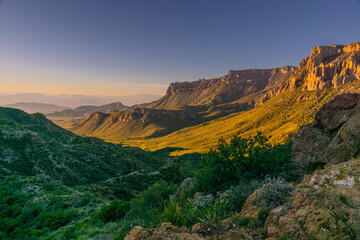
{"x": 31, "y": 144}
{"x": 153, "y": 126}
{"x": 278, "y": 117}
{"x": 39, "y": 207}
{"x": 53, "y": 183}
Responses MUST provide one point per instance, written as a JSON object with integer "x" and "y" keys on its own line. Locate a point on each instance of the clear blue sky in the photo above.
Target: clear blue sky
{"x": 120, "y": 47}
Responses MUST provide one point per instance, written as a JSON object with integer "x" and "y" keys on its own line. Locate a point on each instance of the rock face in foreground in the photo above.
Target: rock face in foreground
{"x": 326, "y": 205}
{"x": 333, "y": 137}
{"x": 169, "y": 232}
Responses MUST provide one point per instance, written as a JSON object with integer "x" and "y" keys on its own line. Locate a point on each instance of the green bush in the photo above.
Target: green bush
{"x": 241, "y": 160}
{"x": 114, "y": 211}
{"x": 239, "y": 194}
{"x": 262, "y": 215}
{"x": 185, "y": 214}
{"x": 242, "y": 221}
{"x": 153, "y": 199}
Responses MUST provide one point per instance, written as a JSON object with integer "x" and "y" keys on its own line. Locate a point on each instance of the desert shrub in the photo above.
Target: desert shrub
{"x": 171, "y": 173}
{"x": 120, "y": 234}
{"x": 232, "y": 200}
{"x": 176, "y": 214}
{"x": 275, "y": 192}
{"x": 185, "y": 214}
{"x": 54, "y": 220}
{"x": 240, "y": 160}
{"x": 262, "y": 215}
{"x": 150, "y": 200}
{"x": 241, "y": 221}
{"x": 114, "y": 211}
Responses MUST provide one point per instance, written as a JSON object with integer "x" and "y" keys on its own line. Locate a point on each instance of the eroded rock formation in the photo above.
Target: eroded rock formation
{"x": 327, "y": 67}
{"x": 223, "y": 90}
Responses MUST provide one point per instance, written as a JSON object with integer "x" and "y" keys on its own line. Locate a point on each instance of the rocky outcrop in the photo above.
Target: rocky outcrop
{"x": 325, "y": 205}
{"x": 184, "y": 186}
{"x": 99, "y": 117}
{"x": 143, "y": 115}
{"x": 166, "y": 231}
{"x": 226, "y": 89}
{"x": 146, "y": 115}
{"x": 142, "y": 122}
{"x": 327, "y": 67}
{"x": 169, "y": 232}
{"x": 334, "y": 135}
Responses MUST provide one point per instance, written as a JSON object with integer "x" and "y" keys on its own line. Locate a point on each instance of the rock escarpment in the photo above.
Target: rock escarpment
{"x": 224, "y": 90}
{"x": 333, "y": 136}
{"x": 327, "y": 67}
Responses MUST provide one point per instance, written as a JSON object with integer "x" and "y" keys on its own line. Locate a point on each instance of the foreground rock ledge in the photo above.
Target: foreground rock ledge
{"x": 326, "y": 205}
{"x": 169, "y": 232}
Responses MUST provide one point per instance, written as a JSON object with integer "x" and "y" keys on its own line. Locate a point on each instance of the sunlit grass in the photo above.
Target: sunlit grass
{"x": 278, "y": 118}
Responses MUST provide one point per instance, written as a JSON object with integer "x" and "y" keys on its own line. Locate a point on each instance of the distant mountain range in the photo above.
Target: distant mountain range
{"x": 32, "y": 107}
{"x": 276, "y": 101}
{"x": 73, "y": 101}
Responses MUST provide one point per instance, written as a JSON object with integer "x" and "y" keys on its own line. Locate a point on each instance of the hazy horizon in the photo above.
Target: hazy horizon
{"x": 73, "y": 101}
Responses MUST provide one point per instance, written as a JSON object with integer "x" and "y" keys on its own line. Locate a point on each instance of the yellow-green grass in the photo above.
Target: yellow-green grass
{"x": 277, "y": 118}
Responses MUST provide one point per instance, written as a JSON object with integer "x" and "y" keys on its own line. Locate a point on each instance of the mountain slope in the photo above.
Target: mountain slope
{"x": 136, "y": 123}
{"x": 31, "y": 145}
{"x": 68, "y": 118}
{"x": 84, "y": 111}
{"x": 276, "y": 102}
{"x": 32, "y": 107}
{"x": 293, "y": 105}
{"x": 187, "y": 104}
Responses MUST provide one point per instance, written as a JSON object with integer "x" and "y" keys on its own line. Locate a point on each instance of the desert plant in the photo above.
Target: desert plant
{"x": 241, "y": 221}
{"x": 150, "y": 201}
{"x": 262, "y": 215}
{"x": 210, "y": 219}
{"x": 114, "y": 211}
{"x": 274, "y": 193}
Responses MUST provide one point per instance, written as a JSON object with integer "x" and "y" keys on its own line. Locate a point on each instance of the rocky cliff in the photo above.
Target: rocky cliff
{"x": 327, "y": 67}
{"x": 224, "y": 90}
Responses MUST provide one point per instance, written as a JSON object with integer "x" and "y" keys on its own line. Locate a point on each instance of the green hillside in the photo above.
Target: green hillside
{"x": 136, "y": 123}
{"x": 31, "y": 145}
{"x": 57, "y": 185}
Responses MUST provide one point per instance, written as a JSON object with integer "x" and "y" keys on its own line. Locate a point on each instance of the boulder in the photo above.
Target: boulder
{"x": 185, "y": 185}
{"x": 334, "y": 135}
{"x": 336, "y": 112}
{"x": 166, "y": 231}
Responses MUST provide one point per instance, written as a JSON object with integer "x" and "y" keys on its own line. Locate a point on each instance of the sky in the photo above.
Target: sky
{"x": 126, "y": 47}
